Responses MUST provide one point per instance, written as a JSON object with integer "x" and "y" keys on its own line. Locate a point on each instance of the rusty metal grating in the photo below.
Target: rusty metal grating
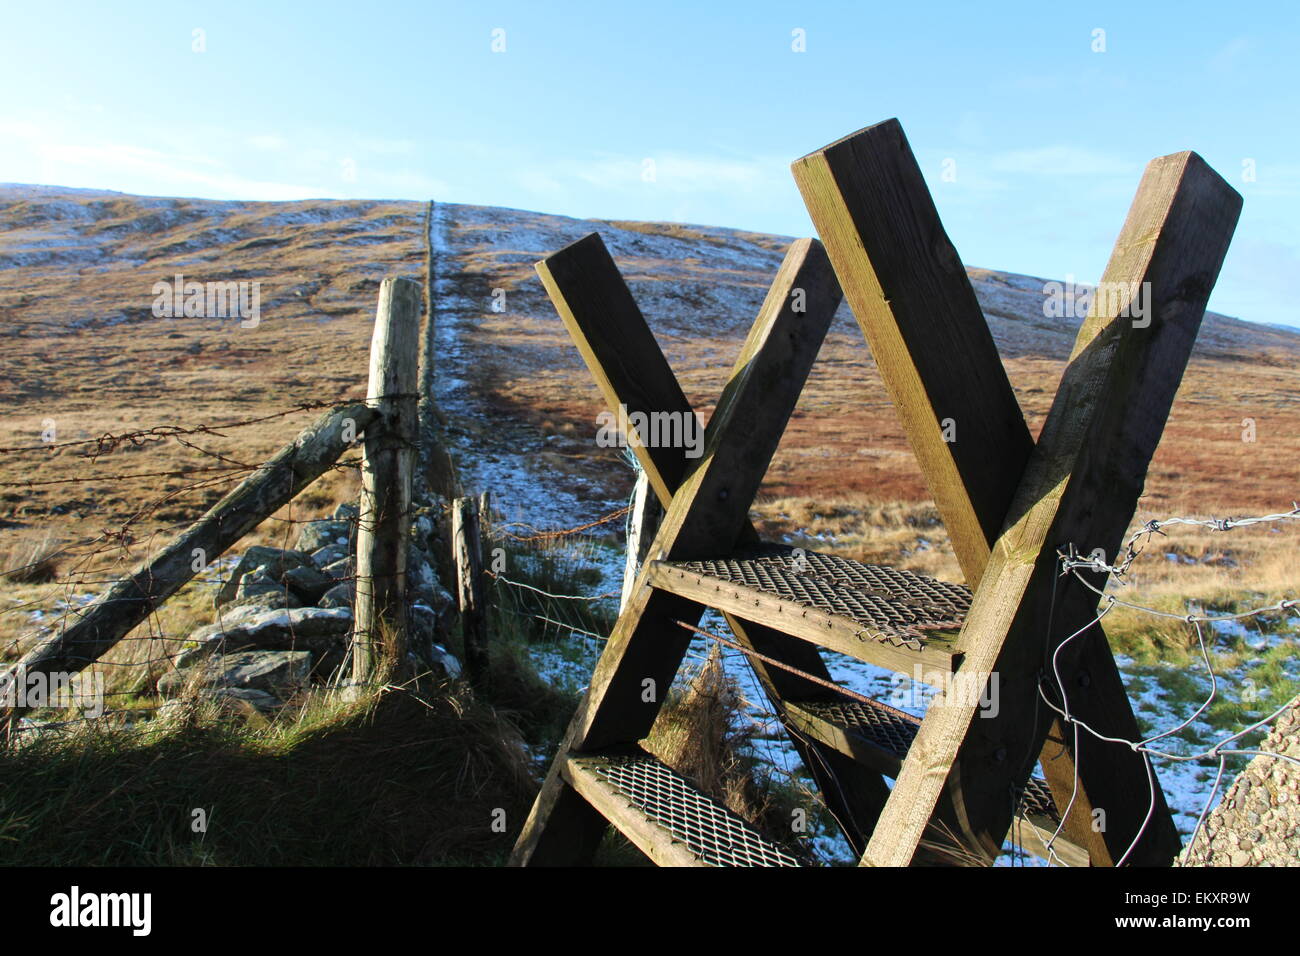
{"x": 1037, "y": 800}
{"x": 894, "y": 730}
{"x": 891, "y": 730}
{"x": 714, "y": 835}
{"x": 888, "y": 604}
{"x": 892, "y": 583}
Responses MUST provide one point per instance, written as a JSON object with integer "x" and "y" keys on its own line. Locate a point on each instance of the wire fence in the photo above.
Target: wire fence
{"x": 1228, "y": 745}
{"x": 64, "y": 574}
{"x": 62, "y": 580}
{"x": 549, "y": 605}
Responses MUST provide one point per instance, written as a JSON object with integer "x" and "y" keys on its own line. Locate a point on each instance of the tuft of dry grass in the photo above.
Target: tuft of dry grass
{"x": 393, "y": 779}
{"x": 30, "y": 559}
{"x": 700, "y": 733}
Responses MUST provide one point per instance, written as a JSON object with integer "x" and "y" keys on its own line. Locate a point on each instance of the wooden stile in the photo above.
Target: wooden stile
{"x": 964, "y": 771}
{"x": 630, "y": 369}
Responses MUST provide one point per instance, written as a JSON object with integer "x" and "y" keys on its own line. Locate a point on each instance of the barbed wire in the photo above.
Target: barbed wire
{"x": 540, "y": 535}
{"x": 1132, "y": 548}
{"x": 1221, "y": 750}
{"x": 108, "y": 442}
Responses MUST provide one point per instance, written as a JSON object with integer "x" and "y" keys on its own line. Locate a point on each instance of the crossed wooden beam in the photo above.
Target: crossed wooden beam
{"x": 1009, "y": 505}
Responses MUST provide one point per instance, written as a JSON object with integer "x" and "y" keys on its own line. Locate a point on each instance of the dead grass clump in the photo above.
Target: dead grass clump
{"x": 395, "y": 779}
{"x": 700, "y": 733}
{"x": 31, "y": 559}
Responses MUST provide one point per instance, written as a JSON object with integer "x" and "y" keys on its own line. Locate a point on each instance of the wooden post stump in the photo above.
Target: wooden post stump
{"x": 468, "y": 547}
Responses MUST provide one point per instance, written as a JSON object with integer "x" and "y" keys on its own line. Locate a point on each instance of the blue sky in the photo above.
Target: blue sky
{"x": 1047, "y": 137}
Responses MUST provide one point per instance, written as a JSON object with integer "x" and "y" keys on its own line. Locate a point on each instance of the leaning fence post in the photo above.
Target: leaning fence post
{"x": 469, "y": 588}
{"x": 387, "y": 468}
{"x": 128, "y": 602}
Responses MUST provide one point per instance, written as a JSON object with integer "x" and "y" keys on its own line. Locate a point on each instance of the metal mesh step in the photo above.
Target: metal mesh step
{"x": 713, "y": 834}
{"x": 893, "y": 731}
{"x": 890, "y": 730}
{"x": 906, "y": 587}
{"x": 883, "y": 603}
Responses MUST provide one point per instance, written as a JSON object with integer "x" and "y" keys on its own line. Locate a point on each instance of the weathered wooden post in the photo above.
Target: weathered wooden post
{"x": 643, "y": 523}
{"x": 468, "y": 547}
{"x": 387, "y": 468}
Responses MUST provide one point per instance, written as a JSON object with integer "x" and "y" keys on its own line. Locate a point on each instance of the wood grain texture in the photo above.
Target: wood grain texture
{"x": 630, "y": 370}
{"x": 1080, "y": 487}
{"x": 817, "y": 627}
{"x": 869, "y": 180}
{"x": 468, "y": 548}
{"x": 387, "y": 471}
{"x": 910, "y": 294}
{"x": 650, "y": 838}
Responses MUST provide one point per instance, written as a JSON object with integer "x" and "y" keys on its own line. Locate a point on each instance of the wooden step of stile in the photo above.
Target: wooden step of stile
{"x": 664, "y": 815}
{"x": 884, "y": 616}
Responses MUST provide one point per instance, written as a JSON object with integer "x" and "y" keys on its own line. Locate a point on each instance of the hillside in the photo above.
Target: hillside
{"x": 85, "y": 357}
{"x": 82, "y": 347}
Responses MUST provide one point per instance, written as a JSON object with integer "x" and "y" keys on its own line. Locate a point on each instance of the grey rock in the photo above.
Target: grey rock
{"x": 259, "y": 586}
{"x": 346, "y": 511}
{"x": 341, "y": 595}
{"x": 317, "y": 534}
{"x": 421, "y": 530}
{"x": 447, "y": 662}
{"x": 272, "y": 599}
{"x": 279, "y": 673}
{"x": 423, "y": 624}
{"x": 308, "y": 583}
{"x": 329, "y": 554}
{"x": 323, "y": 631}
{"x": 258, "y": 700}
{"x": 422, "y": 583}
{"x": 341, "y": 570}
{"x": 268, "y": 564}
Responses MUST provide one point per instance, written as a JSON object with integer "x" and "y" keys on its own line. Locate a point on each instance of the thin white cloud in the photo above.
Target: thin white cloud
{"x": 210, "y": 163}
{"x": 136, "y": 168}
{"x": 675, "y": 172}
{"x": 1061, "y": 161}
{"x": 268, "y": 142}
{"x": 1227, "y": 58}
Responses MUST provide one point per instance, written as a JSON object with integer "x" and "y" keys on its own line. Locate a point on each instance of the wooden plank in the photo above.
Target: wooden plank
{"x": 709, "y": 510}
{"x": 127, "y": 603}
{"x": 711, "y": 506}
{"x": 1033, "y": 836}
{"x": 387, "y": 470}
{"x": 910, "y": 295}
{"x": 629, "y": 367}
{"x": 839, "y": 634}
{"x": 1032, "y": 833}
{"x": 1081, "y": 486}
{"x": 617, "y": 345}
{"x": 844, "y": 740}
{"x": 938, "y": 360}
